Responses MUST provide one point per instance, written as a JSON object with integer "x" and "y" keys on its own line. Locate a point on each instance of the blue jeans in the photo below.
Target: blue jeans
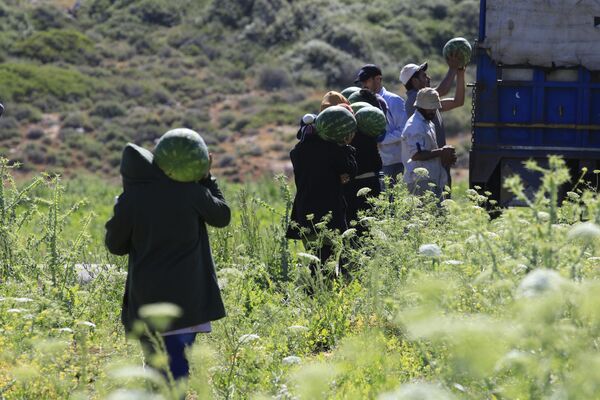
{"x": 392, "y": 171}
{"x": 176, "y": 345}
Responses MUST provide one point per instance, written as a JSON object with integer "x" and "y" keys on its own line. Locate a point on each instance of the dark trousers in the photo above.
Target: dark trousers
{"x": 355, "y": 203}
{"x": 175, "y": 346}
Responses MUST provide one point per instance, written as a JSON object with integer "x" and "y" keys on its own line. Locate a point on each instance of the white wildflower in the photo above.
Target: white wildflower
{"x": 448, "y": 203}
{"x": 453, "y": 262}
{"x": 349, "y": 233}
{"x": 309, "y": 257}
{"x": 297, "y": 328}
{"x": 430, "y": 250}
{"x": 22, "y": 299}
{"x": 249, "y": 337}
{"x": 586, "y": 231}
{"x": 67, "y": 330}
{"x": 538, "y": 282}
{"x": 543, "y": 216}
{"x": 417, "y": 391}
{"x": 363, "y": 192}
{"x": 87, "y": 323}
{"x": 15, "y": 310}
{"x": 291, "y": 360}
{"x": 421, "y": 172}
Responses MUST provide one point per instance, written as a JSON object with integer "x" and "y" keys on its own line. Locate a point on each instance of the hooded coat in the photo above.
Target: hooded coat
{"x": 161, "y": 225}
{"x": 318, "y": 165}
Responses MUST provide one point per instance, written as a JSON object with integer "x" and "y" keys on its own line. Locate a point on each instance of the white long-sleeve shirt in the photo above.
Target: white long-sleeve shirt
{"x": 390, "y": 149}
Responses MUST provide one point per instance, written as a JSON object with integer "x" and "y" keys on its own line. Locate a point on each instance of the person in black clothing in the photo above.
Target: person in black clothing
{"x": 161, "y": 225}
{"x": 320, "y": 170}
{"x": 368, "y": 167}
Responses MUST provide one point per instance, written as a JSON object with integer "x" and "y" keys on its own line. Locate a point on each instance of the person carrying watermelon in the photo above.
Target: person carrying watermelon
{"x": 420, "y": 149}
{"x": 370, "y": 77}
{"x": 321, "y": 169}
{"x": 368, "y": 164}
{"x": 414, "y": 77}
{"x": 160, "y": 223}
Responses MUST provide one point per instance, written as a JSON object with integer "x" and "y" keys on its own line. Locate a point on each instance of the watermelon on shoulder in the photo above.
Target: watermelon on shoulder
{"x": 335, "y": 124}
{"x": 358, "y": 105}
{"x": 182, "y": 155}
{"x": 349, "y": 90}
{"x": 460, "y": 46}
{"x": 371, "y": 121}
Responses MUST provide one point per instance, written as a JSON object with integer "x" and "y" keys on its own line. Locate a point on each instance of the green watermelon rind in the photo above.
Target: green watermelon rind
{"x": 371, "y": 121}
{"x": 358, "y": 105}
{"x": 356, "y": 97}
{"x": 461, "y": 45}
{"x": 182, "y": 155}
{"x": 335, "y": 124}
{"x": 349, "y": 90}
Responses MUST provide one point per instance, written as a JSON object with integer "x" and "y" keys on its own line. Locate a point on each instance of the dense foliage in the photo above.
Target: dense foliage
{"x": 88, "y": 76}
{"x": 445, "y": 302}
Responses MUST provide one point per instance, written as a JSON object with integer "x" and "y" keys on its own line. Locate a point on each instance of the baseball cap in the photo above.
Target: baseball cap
{"x": 366, "y": 72}
{"x": 333, "y": 98}
{"x": 409, "y": 70}
{"x": 428, "y": 99}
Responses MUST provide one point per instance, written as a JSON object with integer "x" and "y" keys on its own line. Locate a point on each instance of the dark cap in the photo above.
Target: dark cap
{"x": 367, "y": 72}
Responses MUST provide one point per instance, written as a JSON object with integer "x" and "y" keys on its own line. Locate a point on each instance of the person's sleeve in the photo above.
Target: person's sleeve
{"x": 415, "y": 141}
{"x": 210, "y": 203}
{"x": 409, "y": 106}
{"x": 344, "y": 160}
{"x": 119, "y": 228}
{"x": 396, "y": 122}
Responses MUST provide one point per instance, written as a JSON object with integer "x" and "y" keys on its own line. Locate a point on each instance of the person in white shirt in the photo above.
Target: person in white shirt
{"x": 420, "y": 148}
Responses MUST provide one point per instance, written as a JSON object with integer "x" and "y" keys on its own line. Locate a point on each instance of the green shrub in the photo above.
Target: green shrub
{"x": 158, "y": 12}
{"x": 273, "y": 78}
{"x": 108, "y": 109}
{"x": 57, "y": 45}
{"x": 26, "y": 113}
{"x": 45, "y": 17}
{"x": 9, "y": 129}
{"x": 26, "y": 82}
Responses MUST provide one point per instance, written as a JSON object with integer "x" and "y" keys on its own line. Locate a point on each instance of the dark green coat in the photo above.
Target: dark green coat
{"x": 161, "y": 225}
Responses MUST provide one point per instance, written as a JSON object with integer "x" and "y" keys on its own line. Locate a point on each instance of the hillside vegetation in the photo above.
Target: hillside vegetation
{"x": 80, "y": 79}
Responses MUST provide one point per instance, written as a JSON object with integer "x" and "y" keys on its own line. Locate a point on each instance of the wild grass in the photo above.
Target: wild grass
{"x": 444, "y": 302}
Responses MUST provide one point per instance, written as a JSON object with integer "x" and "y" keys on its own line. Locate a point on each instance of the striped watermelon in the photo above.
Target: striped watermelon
{"x": 371, "y": 121}
{"x": 458, "y": 45}
{"x": 349, "y": 90}
{"x": 182, "y": 155}
{"x": 358, "y": 105}
{"x": 356, "y": 97}
{"x": 335, "y": 124}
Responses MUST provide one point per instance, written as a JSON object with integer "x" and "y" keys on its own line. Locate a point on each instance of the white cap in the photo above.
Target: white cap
{"x": 428, "y": 99}
{"x": 409, "y": 70}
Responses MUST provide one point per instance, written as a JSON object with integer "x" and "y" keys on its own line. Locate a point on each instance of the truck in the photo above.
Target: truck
{"x": 537, "y": 92}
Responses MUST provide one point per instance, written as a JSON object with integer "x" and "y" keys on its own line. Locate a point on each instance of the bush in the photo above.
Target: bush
{"x": 158, "y": 12}
{"x": 334, "y": 66}
{"x": 108, "y": 109}
{"x": 34, "y": 153}
{"x": 47, "y": 17}
{"x": 27, "y": 83}
{"x": 57, "y": 45}
{"x": 273, "y": 78}
{"x": 9, "y": 128}
{"x": 34, "y": 133}
{"x": 26, "y": 113}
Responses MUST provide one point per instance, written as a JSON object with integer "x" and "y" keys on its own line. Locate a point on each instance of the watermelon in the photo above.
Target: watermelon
{"x": 182, "y": 155}
{"x": 460, "y": 46}
{"x": 349, "y": 90}
{"x": 371, "y": 121}
{"x": 358, "y": 105}
{"x": 356, "y": 97}
{"x": 335, "y": 124}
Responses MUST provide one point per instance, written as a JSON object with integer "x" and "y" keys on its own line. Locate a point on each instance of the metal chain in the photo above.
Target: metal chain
{"x": 474, "y": 101}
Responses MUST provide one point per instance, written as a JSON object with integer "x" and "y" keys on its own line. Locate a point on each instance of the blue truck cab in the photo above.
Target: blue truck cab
{"x": 532, "y": 105}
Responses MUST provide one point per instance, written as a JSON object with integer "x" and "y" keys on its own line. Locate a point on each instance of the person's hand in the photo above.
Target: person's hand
{"x": 454, "y": 61}
{"x": 349, "y": 139}
{"x": 344, "y": 178}
{"x": 448, "y": 156}
{"x": 210, "y": 160}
